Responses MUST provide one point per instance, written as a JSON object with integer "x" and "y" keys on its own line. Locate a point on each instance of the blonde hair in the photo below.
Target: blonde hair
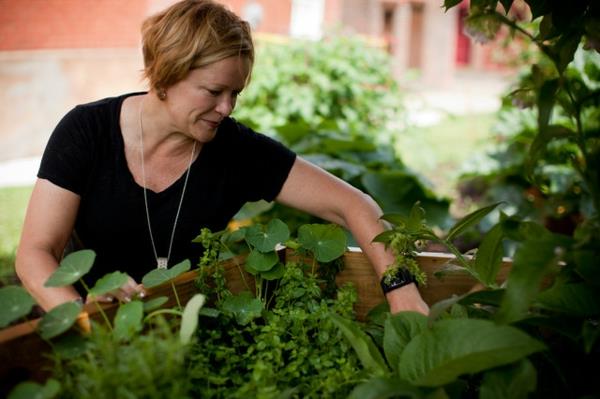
{"x": 191, "y": 34}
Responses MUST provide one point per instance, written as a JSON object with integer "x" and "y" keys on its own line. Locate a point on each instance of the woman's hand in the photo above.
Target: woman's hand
{"x": 128, "y": 291}
{"x": 407, "y": 298}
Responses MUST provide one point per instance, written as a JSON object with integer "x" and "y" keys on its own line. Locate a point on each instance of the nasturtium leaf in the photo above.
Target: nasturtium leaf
{"x": 265, "y": 238}
{"x": 155, "y": 303}
{"x": 128, "y": 320}
{"x": 156, "y": 277}
{"x": 15, "y": 303}
{"x": 451, "y": 348}
{"x": 250, "y": 269}
{"x": 72, "y": 268}
{"x": 469, "y": 220}
{"x": 515, "y": 381}
{"x": 70, "y": 345}
{"x": 262, "y": 262}
{"x": 189, "y": 319}
{"x": 275, "y": 273}
{"x": 179, "y": 268}
{"x": 399, "y": 330}
{"x": 109, "y": 282}
{"x": 363, "y": 345}
{"x": 59, "y": 319}
{"x": 33, "y": 390}
{"x": 326, "y": 241}
{"x": 383, "y": 388}
{"x": 245, "y": 307}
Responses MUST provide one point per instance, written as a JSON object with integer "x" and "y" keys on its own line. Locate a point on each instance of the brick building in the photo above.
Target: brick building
{"x": 58, "y": 53}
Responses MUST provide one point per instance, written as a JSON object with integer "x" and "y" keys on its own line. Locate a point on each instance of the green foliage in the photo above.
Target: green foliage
{"x": 340, "y": 78}
{"x": 59, "y": 319}
{"x": 16, "y": 303}
{"x": 157, "y": 277}
{"x": 71, "y": 268}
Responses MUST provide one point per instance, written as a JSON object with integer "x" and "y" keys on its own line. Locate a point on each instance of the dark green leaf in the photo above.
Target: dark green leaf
{"x": 533, "y": 260}
{"x": 398, "y": 331}
{"x": 545, "y": 103}
{"x": 487, "y": 297}
{"x": 545, "y": 136}
{"x": 451, "y": 348}
{"x": 439, "y": 308}
{"x": 128, "y": 320}
{"x": 15, "y": 303}
{"x": 179, "y": 268}
{"x": 70, "y": 345}
{"x": 575, "y": 299}
{"x": 366, "y": 350}
{"x": 72, "y": 268}
{"x": 489, "y": 256}
{"x": 156, "y": 277}
{"x": 109, "y": 282}
{"x": 59, "y": 319}
{"x": 326, "y": 241}
{"x": 275, "y": 273}
{"x": 590, "y": 334}
{"x": 515, "y": 381}
{"x": 469, "y": 221}
{"x": 189, "y": 319}
{"x": 448, "y": 4}
{"x": 244, "y": 307}
{"x": 33, "y": 390}
{"x": 265, "y": 238}
{"x": 415, "y": 218}
{"x": 260, "y": 261}
{"x": 383, "y": 388}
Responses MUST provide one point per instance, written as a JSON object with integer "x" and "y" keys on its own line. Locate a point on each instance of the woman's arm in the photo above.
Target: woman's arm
{"x": 319, "y": 193}
{"x": 48, "y": 225}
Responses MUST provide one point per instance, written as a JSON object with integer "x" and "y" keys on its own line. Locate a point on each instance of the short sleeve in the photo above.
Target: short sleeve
{"x": 66, "y": 161}
{"x": 263, "y": 164}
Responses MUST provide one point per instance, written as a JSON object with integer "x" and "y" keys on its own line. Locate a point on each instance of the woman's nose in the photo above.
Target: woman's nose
{"x": 225, "y": 105}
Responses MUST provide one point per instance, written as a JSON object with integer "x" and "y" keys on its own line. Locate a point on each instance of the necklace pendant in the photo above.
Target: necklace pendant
{"x": 161, "y": 263}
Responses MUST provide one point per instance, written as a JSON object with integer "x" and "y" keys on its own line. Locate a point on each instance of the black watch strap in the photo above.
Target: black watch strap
{"x": 399, "y": 278}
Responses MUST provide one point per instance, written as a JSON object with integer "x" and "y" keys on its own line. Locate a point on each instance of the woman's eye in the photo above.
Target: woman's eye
{"x": 214, "y": 92}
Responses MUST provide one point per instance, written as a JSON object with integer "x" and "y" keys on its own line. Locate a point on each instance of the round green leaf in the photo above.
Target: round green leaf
{"x": 155, "y": 303}
{"x": 266, "y": 238}
{"x": 180, "y": 268}
{"x": 15, "y": 303}
{"x": 128, "y": 320}
{"x": 262, "y": 262}
{"x": 33, "y": 390}
{"x": 109, "y": 282}
{"x": 244, "y": 307}
{"x": 454, "y": 347}
{"x": 59, "y": 319}
{"x": 72, "y": 268}
{"x": 189, "y": 320}
{"x": 326, "y": 241}
{"x": 70, "y": 345}
{"x": 275, "y": 273}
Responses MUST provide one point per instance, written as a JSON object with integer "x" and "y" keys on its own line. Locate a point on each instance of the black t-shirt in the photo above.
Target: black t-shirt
{"x": 85, "y": 155}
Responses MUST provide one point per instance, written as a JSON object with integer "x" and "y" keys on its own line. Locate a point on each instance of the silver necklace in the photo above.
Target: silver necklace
{"x": 161, "y": 262}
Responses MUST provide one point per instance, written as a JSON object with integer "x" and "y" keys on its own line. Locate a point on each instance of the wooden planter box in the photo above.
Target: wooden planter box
{"x": 22, "y": 350}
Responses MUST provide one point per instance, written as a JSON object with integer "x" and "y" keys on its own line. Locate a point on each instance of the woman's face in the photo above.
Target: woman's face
{"x": 198, "y": 103}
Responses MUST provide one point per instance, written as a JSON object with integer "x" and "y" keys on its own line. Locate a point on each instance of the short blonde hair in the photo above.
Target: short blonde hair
{"x": 191, "y": 34}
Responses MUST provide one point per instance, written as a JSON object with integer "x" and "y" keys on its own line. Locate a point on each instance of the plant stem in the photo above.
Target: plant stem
{"x": 176, "y": 296}
{"x": 104, "y": 316}
{"x": 163, "y": 311}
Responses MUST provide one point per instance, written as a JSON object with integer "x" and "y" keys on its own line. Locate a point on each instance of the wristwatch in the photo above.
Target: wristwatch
{"x": 398, "y": 278}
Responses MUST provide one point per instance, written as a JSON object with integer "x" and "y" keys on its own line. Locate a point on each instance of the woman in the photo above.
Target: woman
{"x": 135, "y": 177}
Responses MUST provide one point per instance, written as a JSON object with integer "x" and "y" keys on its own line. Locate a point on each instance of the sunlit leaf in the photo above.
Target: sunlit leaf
{"x": 59, "y": 319}
{"x": 363, "y": 345}
{"x": 15, "y": 303}
{"x": 128, "y": 320}
{"x": 109, "y": 282}
{"x": 189, "y": 320}
{"x": 451, "y": 348}
{"x": 326, "y": 241}
{"x": 72, "y": 268}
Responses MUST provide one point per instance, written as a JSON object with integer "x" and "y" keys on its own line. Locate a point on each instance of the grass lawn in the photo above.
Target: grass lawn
{"x": 438, "y": 151}
{"x": 13, "y": 202}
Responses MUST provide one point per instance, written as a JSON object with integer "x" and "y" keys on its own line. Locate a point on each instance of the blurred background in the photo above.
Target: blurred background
{"x": 390, "y": 95}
